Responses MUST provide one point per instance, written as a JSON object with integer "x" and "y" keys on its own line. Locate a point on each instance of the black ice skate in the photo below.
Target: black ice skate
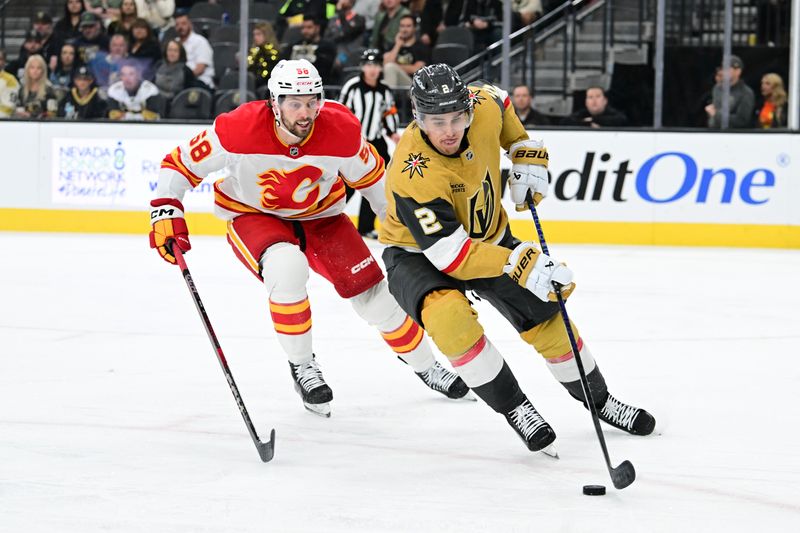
{"x": 311, "y": 386}
{"x": 626, "y": 417}
{"x": 440, "y": 379}
{"x": 534, "y": 431}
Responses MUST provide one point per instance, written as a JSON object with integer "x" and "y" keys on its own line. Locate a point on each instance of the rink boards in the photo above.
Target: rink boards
{"x": 676, "y": 188}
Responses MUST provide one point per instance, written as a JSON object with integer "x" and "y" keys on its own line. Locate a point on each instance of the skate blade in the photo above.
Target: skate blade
{"x": 550, "y": 451}
{"x": 469, "y": 397}
{"x": 319, "y": 409}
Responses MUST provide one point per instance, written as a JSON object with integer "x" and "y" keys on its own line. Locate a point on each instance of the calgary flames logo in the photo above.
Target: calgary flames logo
{"x": 296, "y": 189}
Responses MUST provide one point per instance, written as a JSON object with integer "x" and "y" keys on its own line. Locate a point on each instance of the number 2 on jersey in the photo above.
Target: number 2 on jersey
{"x": 200, "y": 148}
{"x": 427, "y": 219}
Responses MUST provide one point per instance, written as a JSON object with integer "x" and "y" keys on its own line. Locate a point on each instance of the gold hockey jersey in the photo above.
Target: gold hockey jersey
{"x": 448, "y": 207}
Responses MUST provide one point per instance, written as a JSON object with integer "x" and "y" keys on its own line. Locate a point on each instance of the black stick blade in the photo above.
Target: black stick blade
{"x": 623, "y": 475}
{"x": 266, "y": 450}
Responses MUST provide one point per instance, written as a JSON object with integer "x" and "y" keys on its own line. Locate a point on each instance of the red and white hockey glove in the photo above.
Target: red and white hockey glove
{"x": 166, "y": 216}
{"x": 536, "y": 271}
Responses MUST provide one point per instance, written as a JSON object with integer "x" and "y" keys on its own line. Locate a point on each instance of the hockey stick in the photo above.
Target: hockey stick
{"x": 266, "y": 450}
{"x": 624, "y": 474}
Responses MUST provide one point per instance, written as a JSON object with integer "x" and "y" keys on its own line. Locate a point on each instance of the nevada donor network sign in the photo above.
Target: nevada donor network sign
{"x": 675, "y": 177}
{"x": 115, "y": 172}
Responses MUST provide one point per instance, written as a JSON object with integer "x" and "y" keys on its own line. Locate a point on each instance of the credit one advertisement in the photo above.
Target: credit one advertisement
{"x": 670, "y": 177}
{"x": 594, "y": 176}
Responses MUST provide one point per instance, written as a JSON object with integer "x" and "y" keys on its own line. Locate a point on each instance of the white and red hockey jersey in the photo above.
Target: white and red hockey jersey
{"x": 302, "y": 181}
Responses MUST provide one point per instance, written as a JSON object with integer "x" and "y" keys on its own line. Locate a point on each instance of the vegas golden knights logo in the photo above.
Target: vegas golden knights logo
{"x": 481, "y": 209}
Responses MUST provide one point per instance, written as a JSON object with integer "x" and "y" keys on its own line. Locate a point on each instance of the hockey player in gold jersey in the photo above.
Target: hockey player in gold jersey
{"x": 447, "y": 233}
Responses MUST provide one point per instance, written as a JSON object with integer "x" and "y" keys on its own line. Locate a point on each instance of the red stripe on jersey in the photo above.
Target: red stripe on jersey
{"x": 173, "y": 162}
{"x": 506, "y": 102}
{"x": 373, "y": 176}
{"x": 470, "y": 354}
{"x": 459, "y": 258}
{"x": 567, "y": 356}
{"x": 228, "y": 203}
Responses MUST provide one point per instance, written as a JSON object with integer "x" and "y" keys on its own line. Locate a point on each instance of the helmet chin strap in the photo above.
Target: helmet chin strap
{"x": 279, "y": 123}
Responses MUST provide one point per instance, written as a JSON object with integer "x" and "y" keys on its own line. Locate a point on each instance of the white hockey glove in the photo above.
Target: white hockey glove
{"x": 528, "y": 172}
{"x": 537, "y": 272}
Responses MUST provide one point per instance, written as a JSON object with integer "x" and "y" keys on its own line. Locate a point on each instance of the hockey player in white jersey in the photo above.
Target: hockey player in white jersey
{"x": 288, "y": 159}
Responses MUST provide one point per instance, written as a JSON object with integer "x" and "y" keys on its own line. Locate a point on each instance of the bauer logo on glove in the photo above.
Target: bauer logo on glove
{"x": 528, "y": 173}
{"x": 538, "y": 272}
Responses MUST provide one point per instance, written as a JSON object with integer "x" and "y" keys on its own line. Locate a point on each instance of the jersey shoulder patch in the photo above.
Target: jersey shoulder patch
{"x": 416, "y": 170}
{"x": 483, "y": 92}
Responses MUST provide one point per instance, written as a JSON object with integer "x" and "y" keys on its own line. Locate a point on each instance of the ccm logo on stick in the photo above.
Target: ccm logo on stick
{"x": 362, "y": 265}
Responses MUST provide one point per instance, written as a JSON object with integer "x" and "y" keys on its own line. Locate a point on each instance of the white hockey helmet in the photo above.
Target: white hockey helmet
{"x": 294, "y": 76}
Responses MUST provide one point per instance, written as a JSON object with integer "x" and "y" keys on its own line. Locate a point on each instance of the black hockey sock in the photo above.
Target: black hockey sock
{"x": 502, "y": 393}
{"x": 597, "y": 384}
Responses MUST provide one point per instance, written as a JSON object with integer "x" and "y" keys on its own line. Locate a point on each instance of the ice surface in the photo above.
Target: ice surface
{"x": 115, "y": 416}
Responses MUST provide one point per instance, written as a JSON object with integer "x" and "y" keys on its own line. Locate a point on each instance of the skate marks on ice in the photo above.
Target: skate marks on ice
{"x": 113, "y": 415}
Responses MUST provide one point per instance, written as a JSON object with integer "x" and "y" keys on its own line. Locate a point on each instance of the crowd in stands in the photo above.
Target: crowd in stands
{"x": 145, "y": 59}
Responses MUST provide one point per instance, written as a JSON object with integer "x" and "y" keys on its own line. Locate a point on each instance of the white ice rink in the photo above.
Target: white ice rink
{"x": 115, "y": 416}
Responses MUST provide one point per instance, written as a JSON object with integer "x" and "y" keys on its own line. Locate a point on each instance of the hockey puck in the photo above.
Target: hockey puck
{"x": 594, "y": 490}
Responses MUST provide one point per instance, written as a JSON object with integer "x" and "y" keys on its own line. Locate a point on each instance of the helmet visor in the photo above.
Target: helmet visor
{"x": 295, "y": 103}
{"x": 444, "y": 122}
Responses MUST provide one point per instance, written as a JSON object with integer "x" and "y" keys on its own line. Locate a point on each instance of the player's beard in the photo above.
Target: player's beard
{"x": 297, "y": 131}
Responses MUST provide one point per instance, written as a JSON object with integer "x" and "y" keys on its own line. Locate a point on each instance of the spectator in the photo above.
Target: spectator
{"x": 66, "y": 65}
{"x": 50, "y": 43}
{"x": 294, "y": 12}
{"x": 699, "y": 117}
{"x": 199, "y": 55}
{"x": 406, "y": 56}
{"x": 521, "y": 99}
{"x": 127, "y": 14}
{"x": 597, "y": 113}
{"x": 144, "y": 47}
{"x": 429, "y": 13}
{"x": 132, "y": 98}
{"x": 106, "y": 10}
{"x": 387, "y": 24}
{"x": 172, "y": 74}
{"x": 368, "y": 9}
{"x": 9, "y": 89}
{"x": 346, "y": 30}
{"x": 485, "y": 19}
{"x": 158, "y": 13}
{"x": 93, "y": 39}
{"x": 263, "y": 54}
{"x": 318, "y": 51}
{"x": 83, "y": 101}
{"x": 372, "y": 102}
{"x": 36, "y": 99}
{"x": 524, "y": 12}
{"x": 106, "y": 66}
{"x": 30, "y": 46}
{"x": 774, "y": 110}
{"x": 68, "y": 26}
{"x": 742, "y": 100}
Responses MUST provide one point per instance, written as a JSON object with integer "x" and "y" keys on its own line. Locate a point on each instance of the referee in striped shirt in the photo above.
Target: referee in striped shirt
{"x": 372, "y": 102}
